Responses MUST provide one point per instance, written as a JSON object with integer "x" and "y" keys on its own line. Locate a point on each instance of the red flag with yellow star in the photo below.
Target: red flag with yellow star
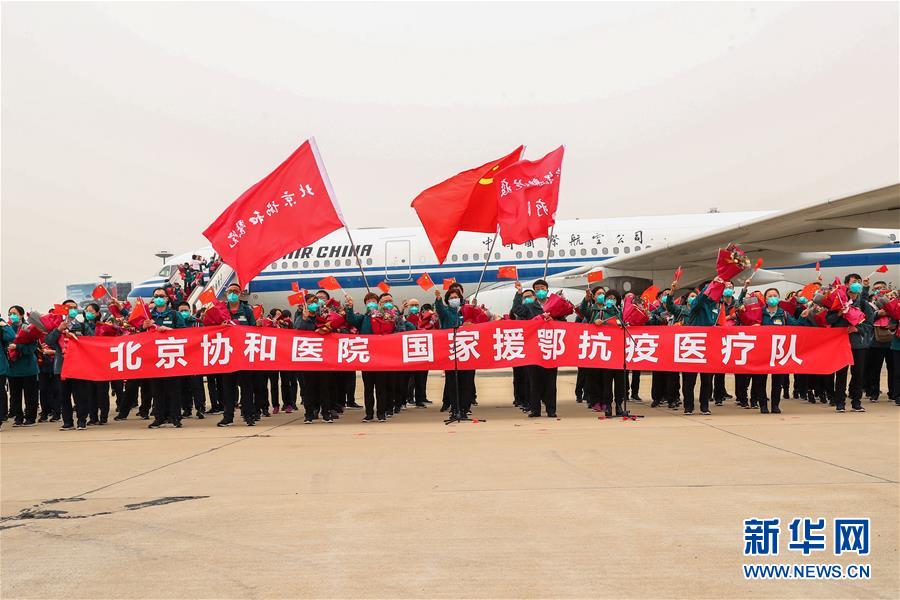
{"x": 465, "y": 202}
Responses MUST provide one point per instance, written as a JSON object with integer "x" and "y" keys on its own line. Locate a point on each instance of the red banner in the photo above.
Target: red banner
{"x": 292, "y": 207}
{"x": 527, "y": 198}
{"x": 493, "y": 345}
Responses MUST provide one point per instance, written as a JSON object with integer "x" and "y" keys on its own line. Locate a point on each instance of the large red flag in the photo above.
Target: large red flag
{"x": 527, "y": 198}
{"x": 292, "y": 207}
{"x": 465, "y": 202}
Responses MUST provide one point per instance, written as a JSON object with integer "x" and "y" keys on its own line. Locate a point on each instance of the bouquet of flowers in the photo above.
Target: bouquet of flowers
{"x": 633, "y": 312}
{"x": 892, "y": 308}
{"x": 474, "y": 314}
{"x": 557, "y": 306}
{"x": 217, "y": 314}
{"x": 751, "y": 312}
{"x": 789, "y": 306}
{"x": 107, "y": 330}
{"x": 384, "y": 321}
{"x": 854, "y": 316}
{"x": 731, "y": 261}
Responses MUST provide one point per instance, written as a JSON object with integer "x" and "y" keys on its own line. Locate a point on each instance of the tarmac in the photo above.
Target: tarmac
{"x": 506, "y": 507}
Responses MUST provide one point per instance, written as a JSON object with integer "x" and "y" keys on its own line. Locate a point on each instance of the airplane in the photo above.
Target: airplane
{"x": 857, "y": 234}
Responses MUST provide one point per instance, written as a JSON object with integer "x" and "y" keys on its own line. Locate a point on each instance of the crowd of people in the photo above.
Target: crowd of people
{"x": 32, "y": 391}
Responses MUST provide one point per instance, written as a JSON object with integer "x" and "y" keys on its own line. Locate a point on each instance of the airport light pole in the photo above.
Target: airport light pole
{"x": 164, "y": 254}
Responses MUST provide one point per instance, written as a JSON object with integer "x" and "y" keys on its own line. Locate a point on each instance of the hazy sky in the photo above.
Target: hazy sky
{"x": 127, "y": 128}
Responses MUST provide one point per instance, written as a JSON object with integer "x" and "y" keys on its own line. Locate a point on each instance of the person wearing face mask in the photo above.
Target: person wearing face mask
{"x": 699, "y": 310}
{"x": 96, "y": 391}
{"x": 71, "y": 391}
{"x": 237, "y": 386}
{"x": 290, "y": 380}
{"x": 591, "y": 310}
{"x": 193, "y": 394}
{"x": 7, "y": 335}
{"x": 460, "y": 384}
{"x": 418, "y": 319}
{"x": 522, "y": 310}
{"x": 663, "y": 383}
{"x": 860, "y": 338}
{"x": 318, "y": 390}
{"x": 728, "y": 305}
{"x": 614, "y": 385}
{"x": 773, "y": 316}
{"x": 22, "y": 374}
{"x": 166, "y": 390}
{"x": 344, "y": 381}
{"x": 879, "y": 352}
{"x": 363, "y": 324}
{"x": 533, "y": 378}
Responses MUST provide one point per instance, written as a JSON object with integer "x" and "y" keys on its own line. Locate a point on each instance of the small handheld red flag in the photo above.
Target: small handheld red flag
{"x": 60, "y": 309}
{"x": 99, "y": 292}
{"x": 208, "y": 295}
{"x": 329, "y": 283}
{"x": 296, "y": 299}
{"x": 449, "y": 282}
{"x": 809, "y": 291}
{"x": 759, "y": 263}
{"x": 507, "y": 273}
{"x": 425, "y": 282}
{"x": 882, "y": 269}
{"x": 384, "y": 286}
{"x": 678, "y": 273}
{"x": 295, "y": 286}
{"x": 818, "y": 266}
{"x": 258, "y": 312}
{"x": 139, "y": 313}
{"x": 595, "y": 276}
{"x": 650, "y": 293}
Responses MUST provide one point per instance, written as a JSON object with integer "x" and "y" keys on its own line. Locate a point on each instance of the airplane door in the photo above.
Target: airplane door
{"x": 396, "y": 260}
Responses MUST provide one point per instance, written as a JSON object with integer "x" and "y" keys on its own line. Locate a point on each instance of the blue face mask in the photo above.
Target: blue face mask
{"x": 312, "y": 306}
{"x": 186, "y": 314}
{"x": 600, "y": 298}
{"x": 772, "y": 300}
{"x": 691, "y": 300}
{"x": 663, "y": 299}
{"x": 413, "y": 310}
{"x": 73, "y": 312}
{"x": 232, "y": 297}
{"x": 856, "y": 287}
{"x": 541, "y": 294}
{"x": 610, "y": 303}
{"x": 455, "y": 302}
{"x": 802, "y": 299}
{"x": 90, "y": 316}
{"x": 372, "y": 306}
{"x": 388, "y": 305}
{"x": 14, "y": 318}
{"x": 728, "y": 292}
{"x": 528, "y": 300}
{"x": 160, "y": 302}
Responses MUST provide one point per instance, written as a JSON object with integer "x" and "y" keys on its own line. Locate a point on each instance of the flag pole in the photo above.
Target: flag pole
{"x": 327, "y": 181}
{"x": 487, "y": 259}
{"x": 549, "y": 242}
{"x": 358, "y": 261}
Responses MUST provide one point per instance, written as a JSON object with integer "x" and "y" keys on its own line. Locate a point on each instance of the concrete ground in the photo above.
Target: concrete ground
{"x": 510, "y": 507}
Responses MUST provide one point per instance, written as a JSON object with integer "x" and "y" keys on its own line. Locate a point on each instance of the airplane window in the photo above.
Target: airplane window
{"x": 327, "y": 263}
{"x": 454, "y": 258}
{"x": 605, "y": 251}
{"x": 584, "y": 251}
{"x": 295, "y": 265}
{"x": 627, "y": 249}
{"x": 518, "y": 255}
{"x": 552, "y": 253}
{"x": 465, "y": 257}
{"x": 475, "y": 256}
{"x": 593, "y": 252}
{"x": 315, "y": 263}
{"x": 368, "y": 261}
{"x": 284, "y": 265}
{"x": 616, "y": 250}
{"x": 637, "y": 248}
{"x": 274, "y": 266}
{"x": 529, "y": 254}
{"x": 496, "y": 256}
{"x": 305, "y": 264}
{"x": 540, "y": 254}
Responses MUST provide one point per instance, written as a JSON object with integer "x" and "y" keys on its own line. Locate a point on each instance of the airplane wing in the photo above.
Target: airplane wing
{"x": 793, "y": 237}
